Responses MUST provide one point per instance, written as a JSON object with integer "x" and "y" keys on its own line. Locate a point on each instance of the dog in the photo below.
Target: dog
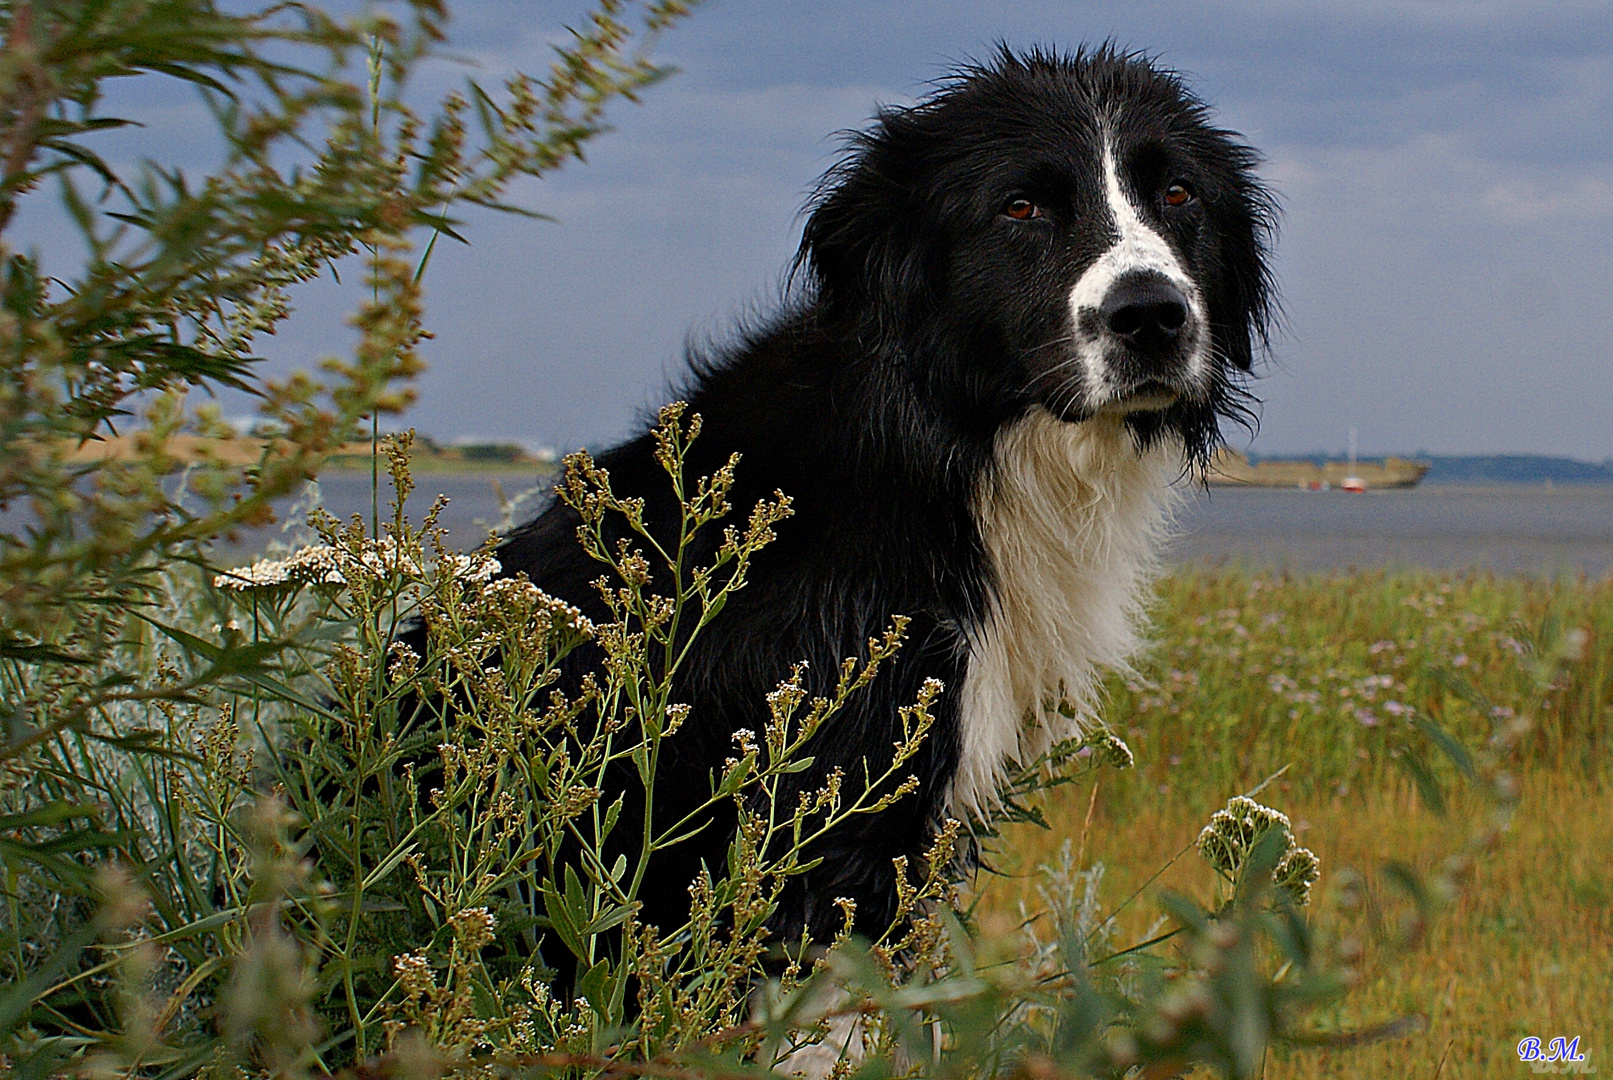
{"x": 1021, "y": 311}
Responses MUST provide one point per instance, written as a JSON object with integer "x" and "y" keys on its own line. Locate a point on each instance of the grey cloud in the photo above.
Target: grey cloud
{"x": 1440, "y": 165}
{"x": 1446, "y": 257}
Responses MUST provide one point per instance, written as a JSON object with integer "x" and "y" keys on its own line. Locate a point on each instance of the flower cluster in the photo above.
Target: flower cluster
{"x": 1109, "y": 749}
{"x": 317, "y": 563}
{"x": 478, "y": 566}
{"x": 1232, "y": 834}
{"x": 1296, "y": 872}
{"x": 473, "y": 929}
{"x": 517, "y": 602}
{"x": 331, "y": 565}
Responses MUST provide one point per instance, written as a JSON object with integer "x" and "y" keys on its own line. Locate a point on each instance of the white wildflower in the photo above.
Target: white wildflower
{"x": 478, "y": 566}
{"x": 1296, "y": 872}
{"x": 473, "y": 928}
{"x": 1232, "y": 833}
{"x": 317, "y": 563}
{"x": 1227, "y": 840}
{"x": 263, "y": 574}
{"x": 1111, "y": 750}
{"x": 381, "y": 557}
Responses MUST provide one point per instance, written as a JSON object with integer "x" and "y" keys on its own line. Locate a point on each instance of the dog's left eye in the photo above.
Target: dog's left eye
{"x": 1178, "y": 194}
{"x": 1022, "y": 210}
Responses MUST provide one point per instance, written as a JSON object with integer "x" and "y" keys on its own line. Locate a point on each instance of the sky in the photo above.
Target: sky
{"x": 1445, "y": 171}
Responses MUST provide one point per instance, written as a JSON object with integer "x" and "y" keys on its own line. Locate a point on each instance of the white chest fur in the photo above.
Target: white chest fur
{"x": 1071, "y": 520}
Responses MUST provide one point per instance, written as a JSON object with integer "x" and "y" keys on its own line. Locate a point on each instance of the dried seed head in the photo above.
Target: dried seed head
{"x": 1228, "y": 839}
{"x": 1296, "y": 873}
{"x": 414, "y": 975}
{"x": 1111, "y": 750}
{"x": 473, "y": 928}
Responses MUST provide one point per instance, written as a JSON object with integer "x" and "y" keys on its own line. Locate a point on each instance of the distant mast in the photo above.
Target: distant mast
{"x": 1352, "y": 480}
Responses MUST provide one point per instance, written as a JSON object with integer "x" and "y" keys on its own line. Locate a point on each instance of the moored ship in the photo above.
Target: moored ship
{"x": 1231, "y": 468}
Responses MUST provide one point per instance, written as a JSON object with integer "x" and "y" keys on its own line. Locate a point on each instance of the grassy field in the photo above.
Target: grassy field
{"x": 1324, "y": 676}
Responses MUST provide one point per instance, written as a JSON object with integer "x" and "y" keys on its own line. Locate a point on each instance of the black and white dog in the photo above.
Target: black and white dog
{"x": 1024, "y": 307}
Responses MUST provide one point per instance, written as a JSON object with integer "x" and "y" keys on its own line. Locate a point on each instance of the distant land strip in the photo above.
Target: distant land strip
{"x": 431, "y": 456}
{"x": 427, "y": 455}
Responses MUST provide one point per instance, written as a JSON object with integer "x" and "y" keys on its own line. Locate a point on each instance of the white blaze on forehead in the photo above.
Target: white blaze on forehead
{"x": 1137, "y": 249}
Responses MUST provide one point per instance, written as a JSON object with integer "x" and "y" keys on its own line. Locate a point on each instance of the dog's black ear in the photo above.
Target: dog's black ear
{"x": 1243, "y": 302}
{"x": 864, "y": 247}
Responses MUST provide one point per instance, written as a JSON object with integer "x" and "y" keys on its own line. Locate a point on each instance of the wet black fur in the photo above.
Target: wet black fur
{"x": 920, "y": 324}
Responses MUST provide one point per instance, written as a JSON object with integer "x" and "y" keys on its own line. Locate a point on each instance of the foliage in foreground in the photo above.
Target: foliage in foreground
{"x": 379, "y": 859}
{"x": 322, "y": 160}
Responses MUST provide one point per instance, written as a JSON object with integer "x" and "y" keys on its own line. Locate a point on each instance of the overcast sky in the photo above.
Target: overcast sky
{"x": 1445, "y": 169}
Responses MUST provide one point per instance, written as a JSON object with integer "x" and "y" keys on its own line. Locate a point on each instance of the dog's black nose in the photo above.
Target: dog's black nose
{"x": 1147, "y": 312}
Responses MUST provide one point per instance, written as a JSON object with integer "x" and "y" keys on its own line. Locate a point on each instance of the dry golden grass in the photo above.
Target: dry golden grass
{"x": 1526, "y": 948}
{"x": 1322, "y": 676}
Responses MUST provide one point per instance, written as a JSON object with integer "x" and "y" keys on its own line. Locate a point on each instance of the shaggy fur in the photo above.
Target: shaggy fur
{"x": 1021, "y": 311}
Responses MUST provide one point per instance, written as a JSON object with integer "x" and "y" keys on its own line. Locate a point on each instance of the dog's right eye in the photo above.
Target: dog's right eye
{"x": 1022, "y": 210}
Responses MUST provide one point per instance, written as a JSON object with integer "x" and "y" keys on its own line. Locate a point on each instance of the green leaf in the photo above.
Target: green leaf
{"x": 78, "y": 155}
{"x": 244, "y": 661}
{"x": 560, "y": 919}
{"x": 1405, "y": 878}
{"x": 591, "y": 988}
{"x": 389, "y": 864}
{"x": 576, "y": 898}
{"x": 1427, "y": 785}
{"x": 1446, "y": 742}
{"x": 1265, "y": 853}
{"x": 670, "y": 840}
{"x": 186, "y": 74}
{"x": 1185, "y": 911}
{"x": 612, "y": 813}
{"x": 16, "y": 649}
{"x": 201, "y": 926}
{"x": 735, "y": 778}
{"x": 17, "y": 1000}
{"x": 440, "y": 225}
{"x": 609, "y": 919}
{"x": 54, "y": 813}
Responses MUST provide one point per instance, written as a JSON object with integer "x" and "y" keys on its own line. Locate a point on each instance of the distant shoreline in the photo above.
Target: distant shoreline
{"x": 426, "y": 457}
{"x": 491, "y": 459}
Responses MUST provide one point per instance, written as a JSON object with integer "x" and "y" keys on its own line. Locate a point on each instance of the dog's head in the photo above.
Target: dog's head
{"x": 1068, "y": 232}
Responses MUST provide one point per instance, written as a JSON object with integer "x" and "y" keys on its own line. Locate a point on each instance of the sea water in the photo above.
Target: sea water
{"x": 1517, "y": 528}
{"x": 1509, "y": 529}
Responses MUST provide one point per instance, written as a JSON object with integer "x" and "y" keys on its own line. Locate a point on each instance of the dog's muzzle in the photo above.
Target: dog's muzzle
{"x": 1147, "y": 314}
{"x": 1152, "y": 345}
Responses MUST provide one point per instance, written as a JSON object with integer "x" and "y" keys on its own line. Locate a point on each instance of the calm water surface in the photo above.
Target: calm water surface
{"x": 1511, "y": 529}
